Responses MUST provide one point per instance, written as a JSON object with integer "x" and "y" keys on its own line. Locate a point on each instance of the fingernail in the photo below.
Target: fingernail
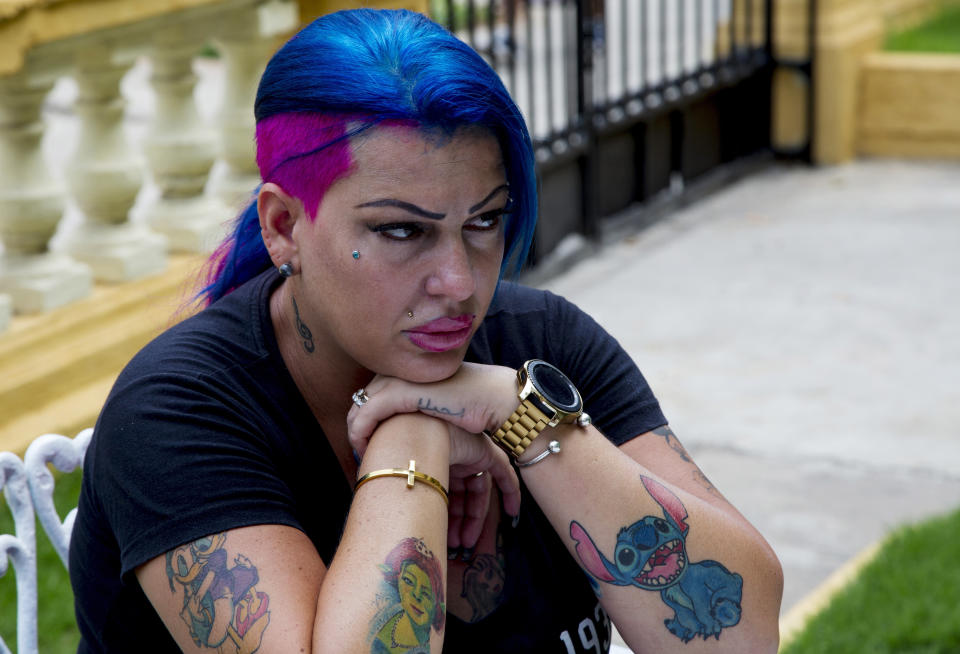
{"x": 516, "y": 521}
{"x": 468, "y": 553}
{"x": 453, "y": 553}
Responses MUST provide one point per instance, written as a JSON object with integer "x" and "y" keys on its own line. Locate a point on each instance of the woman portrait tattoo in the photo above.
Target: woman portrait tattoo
{"x": 222, "y": 607}
{"x": 302, "y": 329}
{"x": 412, "y": 600}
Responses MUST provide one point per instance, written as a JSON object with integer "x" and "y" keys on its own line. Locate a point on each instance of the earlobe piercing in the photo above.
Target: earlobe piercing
{"x": 356, "y": 254}
{"x": 286, "y": 270}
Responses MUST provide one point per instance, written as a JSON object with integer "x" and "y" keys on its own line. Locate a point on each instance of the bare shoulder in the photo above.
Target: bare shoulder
{"x": 252, "y": 589}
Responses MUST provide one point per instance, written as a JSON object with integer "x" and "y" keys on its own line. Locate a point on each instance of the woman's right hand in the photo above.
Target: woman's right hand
{"x": 476, "y": 463}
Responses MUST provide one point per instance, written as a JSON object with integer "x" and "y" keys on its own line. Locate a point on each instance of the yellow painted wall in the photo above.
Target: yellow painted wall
{"x": 909, "y": 105}
{"x": 310, "y": 9}
{"x": 25, "y": 24}
{"x": 847, "y": 32}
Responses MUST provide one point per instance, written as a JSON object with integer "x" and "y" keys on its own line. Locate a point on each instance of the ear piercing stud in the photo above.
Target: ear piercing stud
{"x": 286, "y": 270}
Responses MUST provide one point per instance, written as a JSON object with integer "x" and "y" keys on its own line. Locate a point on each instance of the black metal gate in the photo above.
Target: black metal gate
{"x": 628, "y": 99}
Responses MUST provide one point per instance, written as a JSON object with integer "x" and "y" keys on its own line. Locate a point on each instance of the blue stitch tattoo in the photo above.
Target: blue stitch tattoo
{"x": 651, "y": 555}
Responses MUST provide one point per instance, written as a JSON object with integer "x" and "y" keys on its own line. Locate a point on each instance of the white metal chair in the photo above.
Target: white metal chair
{"x": 28, "y": 487}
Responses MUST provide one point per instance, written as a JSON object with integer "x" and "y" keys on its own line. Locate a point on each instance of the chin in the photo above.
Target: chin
{"x": 432, "y": 366}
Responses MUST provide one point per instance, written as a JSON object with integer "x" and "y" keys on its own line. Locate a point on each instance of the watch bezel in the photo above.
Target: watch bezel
{"x": 553, "y": 409}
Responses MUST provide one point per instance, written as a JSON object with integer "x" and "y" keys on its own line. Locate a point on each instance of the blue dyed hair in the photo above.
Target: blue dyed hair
{"x": 384, "y": 65}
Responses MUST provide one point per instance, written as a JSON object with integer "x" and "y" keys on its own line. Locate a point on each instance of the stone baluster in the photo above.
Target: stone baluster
{"x": 181, "y": 150}
{"x": 105, "y": 177}
{"x": 245, "y": 42}
{"x": 6, "y": 311}
{"x": 33, "y": 278}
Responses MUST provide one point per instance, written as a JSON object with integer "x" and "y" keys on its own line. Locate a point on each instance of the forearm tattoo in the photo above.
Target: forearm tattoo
{"x": 222, "y": 607}
{"x": 674, "y": 443}
{"x": 483, "y": 582}
{"x": 411, "y": 601}
{"x": 302, "y": 330}
{"x": 651, "y": 554}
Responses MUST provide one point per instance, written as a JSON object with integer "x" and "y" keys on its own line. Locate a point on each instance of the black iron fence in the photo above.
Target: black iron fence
{"x": 626, "y": 99}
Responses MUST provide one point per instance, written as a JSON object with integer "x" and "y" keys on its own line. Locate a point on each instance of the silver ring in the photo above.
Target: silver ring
{"x": 360, "y": 397}
{"x": 552, "y": 448}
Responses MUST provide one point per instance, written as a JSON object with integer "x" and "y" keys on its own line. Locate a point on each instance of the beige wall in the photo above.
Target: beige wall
{"x": 310, "y": 9}
{"x": 847, "y": 32}
{"x": 909, "y": 105}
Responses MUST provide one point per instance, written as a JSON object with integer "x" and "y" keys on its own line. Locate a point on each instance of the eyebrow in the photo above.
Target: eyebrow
{"x": 479, "y": 205}
{"x": 406, "y": 206}
{"x": 420, "y": 211}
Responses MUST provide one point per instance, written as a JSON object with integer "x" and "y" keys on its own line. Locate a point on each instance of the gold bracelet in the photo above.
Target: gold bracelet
{"x": 410, "y": 473}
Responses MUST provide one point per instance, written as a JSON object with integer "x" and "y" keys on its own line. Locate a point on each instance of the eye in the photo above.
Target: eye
{"x": 487, "y": 221}
{"x": 398, "y": 231}
{"x": 661, "y": 525}
{"x": 626, "y": 557}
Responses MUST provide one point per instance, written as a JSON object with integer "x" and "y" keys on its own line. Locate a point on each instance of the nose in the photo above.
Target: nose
{"x": 452, "y": 271}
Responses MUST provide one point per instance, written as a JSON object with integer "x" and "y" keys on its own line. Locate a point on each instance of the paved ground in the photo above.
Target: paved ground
{"x": 801, "y": 329}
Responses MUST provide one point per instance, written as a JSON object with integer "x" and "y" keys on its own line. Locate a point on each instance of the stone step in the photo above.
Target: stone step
{"x": 56, "y": 368}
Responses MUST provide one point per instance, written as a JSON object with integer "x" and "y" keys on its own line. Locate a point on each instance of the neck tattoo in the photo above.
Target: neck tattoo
{"x": 302, "y": 329}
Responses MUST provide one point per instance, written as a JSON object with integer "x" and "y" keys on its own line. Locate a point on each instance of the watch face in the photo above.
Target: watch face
{"x": 554, "y": 386}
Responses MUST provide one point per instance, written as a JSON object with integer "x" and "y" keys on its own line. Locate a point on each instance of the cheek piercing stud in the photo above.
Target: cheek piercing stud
{"x": 286, "y": 270}
{"x": 356, "y": 254}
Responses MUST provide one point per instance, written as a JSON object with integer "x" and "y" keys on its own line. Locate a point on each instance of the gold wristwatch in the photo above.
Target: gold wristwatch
{"x": 547, "y": 399}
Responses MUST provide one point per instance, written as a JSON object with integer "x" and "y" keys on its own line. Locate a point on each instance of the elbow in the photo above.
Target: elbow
{"x": 769, "y": 588}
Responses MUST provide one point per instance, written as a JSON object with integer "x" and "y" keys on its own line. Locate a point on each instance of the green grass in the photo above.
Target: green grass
{"x": 57, "y": 626}
{"x": 907, "y": 600}
{"x": 939, "y": 34}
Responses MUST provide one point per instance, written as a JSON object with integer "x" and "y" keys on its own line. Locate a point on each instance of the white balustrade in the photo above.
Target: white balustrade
{"x": 245, "y": 44}
{"x": 6, "y": 311}
{"x": 31, "y": 205}
{"x": 105, "y": 175}
{"x": 180, "y": 149}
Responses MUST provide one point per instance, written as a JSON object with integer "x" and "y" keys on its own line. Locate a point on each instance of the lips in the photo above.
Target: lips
{"x": 442, "y": 334}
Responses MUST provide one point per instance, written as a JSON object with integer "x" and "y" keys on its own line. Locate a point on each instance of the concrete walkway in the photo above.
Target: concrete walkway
{"x": 801, "y": 329}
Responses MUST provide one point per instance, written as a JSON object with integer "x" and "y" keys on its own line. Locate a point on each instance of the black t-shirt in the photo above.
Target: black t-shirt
{"x": 205, "y": 431}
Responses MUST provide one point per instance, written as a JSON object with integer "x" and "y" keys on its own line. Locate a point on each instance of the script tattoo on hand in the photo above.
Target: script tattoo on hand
{"x": 302, "y": 329}
{"x": 411, "y": 601}
{"x": 222, "y": 607}
{"x": 651, "y": 554}
{"x": 424, "y": 404}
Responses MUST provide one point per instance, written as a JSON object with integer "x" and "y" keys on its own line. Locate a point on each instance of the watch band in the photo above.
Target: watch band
{"x": 519, "y": 430}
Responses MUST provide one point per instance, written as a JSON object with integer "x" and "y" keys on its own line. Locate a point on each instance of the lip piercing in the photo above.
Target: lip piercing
{"x": 356, "y": 254}
{"x": 286, "y": 270}
{"x": 409, "y": 314}
{"x": 360, "y": 397}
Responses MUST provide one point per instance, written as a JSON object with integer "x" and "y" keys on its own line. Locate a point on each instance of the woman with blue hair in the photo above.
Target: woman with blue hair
{"x": 362, "y": 389}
